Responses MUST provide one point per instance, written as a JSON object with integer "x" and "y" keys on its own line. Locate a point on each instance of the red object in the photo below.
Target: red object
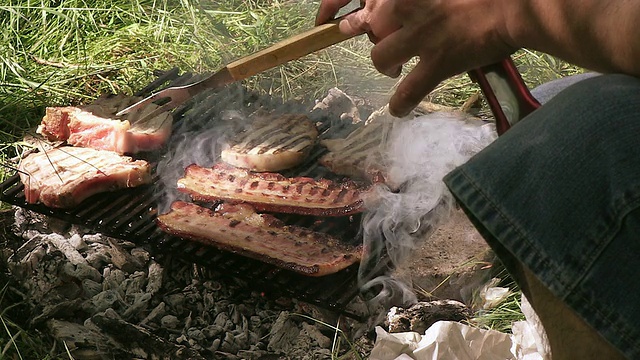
{"x": 506, "y": 93}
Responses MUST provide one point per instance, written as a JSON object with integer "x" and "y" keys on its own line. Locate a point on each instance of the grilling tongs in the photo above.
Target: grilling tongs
{"x": 501, "y": 83}
{"x": 282, "y": 52}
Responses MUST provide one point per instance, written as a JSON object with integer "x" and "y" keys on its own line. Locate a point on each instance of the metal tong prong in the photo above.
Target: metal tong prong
{"x": 148, "y": 100}
{"x": 178, "y": 95}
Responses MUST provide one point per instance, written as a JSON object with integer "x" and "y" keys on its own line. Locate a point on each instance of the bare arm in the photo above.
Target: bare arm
{"x": 454, "y": 36}
{"x": 602, "y": 35}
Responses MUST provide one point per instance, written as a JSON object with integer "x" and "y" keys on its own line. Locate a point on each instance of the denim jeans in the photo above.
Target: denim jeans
{"x": 560, "y": 193}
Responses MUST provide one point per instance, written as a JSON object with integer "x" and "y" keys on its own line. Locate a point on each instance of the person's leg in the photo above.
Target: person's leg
{"x": 560, "y": 194}
{"x": 569, "y": 336}
{"x": 545, "y": 92}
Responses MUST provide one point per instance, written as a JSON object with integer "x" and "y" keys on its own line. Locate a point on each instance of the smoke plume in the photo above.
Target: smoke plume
{"x": 416, "y": 155}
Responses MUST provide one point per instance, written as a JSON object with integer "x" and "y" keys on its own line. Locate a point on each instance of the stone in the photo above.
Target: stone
{"x": 78, "y": 243}
{"x": 81, "y": 271}
{"x": 91, "y": 288}
{"x": 212, "y": 331}
{"x": 215, "y": 345}
{"x": 154, "y": 278}
{"x": 229, "y": 344}
{"x": 83, "y": 342}
{"x": 102, "y": 302}
{"x": 68, "y": 249}
{"x": 139, "y": 303}
{"x": 222, "y": 320}
{"x": 98, "y": 258}
{"x": 316, "y": 335}
{"x": 135, "y": 283}
{"x": 122, "y": 259}
{"x": 113, "y": 278}
{"x": 141, "y": 255}
{"x": 140, "y": 340}
{"x": 195, "y": 334}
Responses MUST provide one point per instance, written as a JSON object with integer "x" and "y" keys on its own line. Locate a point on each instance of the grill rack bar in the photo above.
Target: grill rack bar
{"x": 333, "y": 292}
{"x": 129, "y": 214}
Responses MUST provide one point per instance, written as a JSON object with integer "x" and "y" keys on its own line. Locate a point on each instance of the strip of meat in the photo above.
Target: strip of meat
{"x": 272, "y": 192}
{"x": 238, "y": 228}
{"x": 64, "y": 177}
{"x": 95, "y": 126}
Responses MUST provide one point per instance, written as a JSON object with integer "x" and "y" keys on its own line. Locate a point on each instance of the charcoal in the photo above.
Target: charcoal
{"x": 170, "y": 321}
{"x": 420, "y": 316}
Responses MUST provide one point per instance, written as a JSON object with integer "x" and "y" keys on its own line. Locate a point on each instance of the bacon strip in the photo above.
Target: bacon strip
{"x": 272, "y": 192}
{"x": 240, "y": 229}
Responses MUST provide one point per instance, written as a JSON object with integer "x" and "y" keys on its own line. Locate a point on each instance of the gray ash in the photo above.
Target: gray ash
{"x": 108, "y": 298}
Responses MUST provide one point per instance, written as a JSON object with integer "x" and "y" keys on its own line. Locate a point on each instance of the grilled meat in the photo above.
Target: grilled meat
{"x": 358, "y": 155}
{"x": 272, "y": 192}
{"x": 272, "y": 143}
{"x": 238, "y": 228}
{"x": 64, "y": 177}
{"x": 95, "y": 126}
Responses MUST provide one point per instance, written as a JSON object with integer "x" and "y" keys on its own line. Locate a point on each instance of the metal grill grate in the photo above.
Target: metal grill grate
{"x": 130, "y": 214}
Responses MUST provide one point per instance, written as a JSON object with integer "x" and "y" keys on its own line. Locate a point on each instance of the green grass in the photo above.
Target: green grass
{"x": 70, "y": 51}
{"x": 74, "y": 51}
{"x": 502, "y": 317}
{"x": 15, "y": 341}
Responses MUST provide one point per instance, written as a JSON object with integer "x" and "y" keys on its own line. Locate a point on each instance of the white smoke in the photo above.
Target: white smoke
{"x": 417, "y": 154}
{"x": 196, "y": 141}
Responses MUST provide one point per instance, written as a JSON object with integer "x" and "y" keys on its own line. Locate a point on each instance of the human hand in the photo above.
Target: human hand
{"x": 448, "y": 36}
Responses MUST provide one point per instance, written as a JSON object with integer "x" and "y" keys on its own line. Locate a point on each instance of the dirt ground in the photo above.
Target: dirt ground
{"x": 450, "y": 264}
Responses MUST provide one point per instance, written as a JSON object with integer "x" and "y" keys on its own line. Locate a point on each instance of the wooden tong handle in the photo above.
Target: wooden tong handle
{"x": 292, "y": 48}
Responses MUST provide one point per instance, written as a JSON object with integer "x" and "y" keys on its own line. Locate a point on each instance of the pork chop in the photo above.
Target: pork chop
{"x": 63, "y": 177}
{"x": 95, "y": 126}
{"x": 273, "y": 192}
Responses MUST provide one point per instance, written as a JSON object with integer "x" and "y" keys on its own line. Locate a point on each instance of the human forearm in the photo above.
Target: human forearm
{"x": 601, "y": 35}
{"x": 453, "y": 36}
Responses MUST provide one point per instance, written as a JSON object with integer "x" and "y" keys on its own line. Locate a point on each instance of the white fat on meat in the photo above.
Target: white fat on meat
{"x": 64, "y": 177}
{"x": 95, "y": 126}
{"x": 272, "y": 143}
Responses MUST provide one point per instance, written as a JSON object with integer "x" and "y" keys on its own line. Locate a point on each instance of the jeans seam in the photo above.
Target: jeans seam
{"x": 516, "y": 229}
{"x": 619, "y": 328}
{"x": 628, "y": 208}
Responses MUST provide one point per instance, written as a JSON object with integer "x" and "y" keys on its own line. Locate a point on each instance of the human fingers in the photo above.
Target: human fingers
{"x": 328, "y": 9}
{"x": 356, "y": 23}
{"x": 392, "y": 52}
{"x": 375, "y": 18}
{"x": 413, "y": 89}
